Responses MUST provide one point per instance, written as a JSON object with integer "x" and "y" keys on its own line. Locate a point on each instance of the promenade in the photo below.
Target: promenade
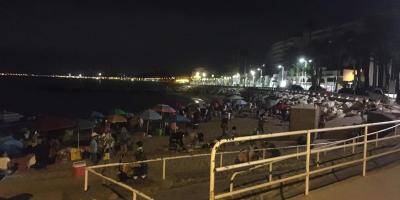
{"x": 383, "y": 183}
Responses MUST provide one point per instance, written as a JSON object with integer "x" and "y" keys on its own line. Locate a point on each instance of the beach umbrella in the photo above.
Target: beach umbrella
{"x": 240, "y": 102}
{"x": 97, "y": 115}
{"x": 235, "y": 97}
{"x": 269, "y": 102}
{"x": 118, "y": 111}
{"x": 150, "y": 115}
{"x": 116, "y": 119}
{"x": 163, "y": 108}
{"x": 179, "y": 119}
{"x": 47, "y": 123}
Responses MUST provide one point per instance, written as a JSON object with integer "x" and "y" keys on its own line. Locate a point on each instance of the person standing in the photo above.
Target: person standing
{"x": 42, "y": 151}
{"x": 94, "y": 157}
{"x": 123, "y": 140}
{"x": 141, "y": 122}
{"x": 261, "y": 121}
{"x": 224, "y": 126}
{"x": 109, "y": 143}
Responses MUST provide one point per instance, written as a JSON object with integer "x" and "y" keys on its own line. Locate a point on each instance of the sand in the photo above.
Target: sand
{"x": 57, "y": 181}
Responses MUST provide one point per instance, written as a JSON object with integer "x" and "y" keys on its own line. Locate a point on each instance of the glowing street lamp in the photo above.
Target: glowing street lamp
{"x": 261, "y": 74}
{"x": 204, "y": 75}
{"x": 253, "y": 73}
{"x": 305, "y": 61}
{"x": 283, "y": 69}
{"x": 99, "y": 74}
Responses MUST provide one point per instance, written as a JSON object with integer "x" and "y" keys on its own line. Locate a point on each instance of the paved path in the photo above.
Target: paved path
{"x": 381, "y": 183}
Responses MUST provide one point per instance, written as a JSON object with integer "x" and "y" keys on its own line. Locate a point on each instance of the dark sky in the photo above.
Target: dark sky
{"x": 135, "y": 37}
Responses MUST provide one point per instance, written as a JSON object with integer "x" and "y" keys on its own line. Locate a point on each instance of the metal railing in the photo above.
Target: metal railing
{"x": 134, "y": 192}
{"x": 164, "y": 160}
{"x": 307, "y": 153}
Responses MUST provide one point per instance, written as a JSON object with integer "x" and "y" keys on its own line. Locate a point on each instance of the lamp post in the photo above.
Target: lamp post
{"x": 261, "y": 74}
{"x": 305, "y": 61}
{"x": 253, "y": 73}
{"x": 283, "y": 69}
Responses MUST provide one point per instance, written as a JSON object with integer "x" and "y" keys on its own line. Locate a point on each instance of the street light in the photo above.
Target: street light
{"x": 99, "y": 74}
{"x": 303, "y": 60}
{"x": 261, "y": 74}
{"x": 283, "y": 69}
{"x": 253, "y": 73}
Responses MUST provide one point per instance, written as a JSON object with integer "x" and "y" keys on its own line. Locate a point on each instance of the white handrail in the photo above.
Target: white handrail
{"x": 134, "y": 192}
{"x": 308, "y": 153}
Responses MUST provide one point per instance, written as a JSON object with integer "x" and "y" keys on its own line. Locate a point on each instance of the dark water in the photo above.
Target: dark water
{"x": 77, "y": 98}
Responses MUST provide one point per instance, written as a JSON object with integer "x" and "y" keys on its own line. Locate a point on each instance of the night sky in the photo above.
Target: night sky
{"x": 149, "y": 37}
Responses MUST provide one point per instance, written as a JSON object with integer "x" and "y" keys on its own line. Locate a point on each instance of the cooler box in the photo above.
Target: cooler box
{"x": 79, "y": 168}
{"x": 75, "y": 154}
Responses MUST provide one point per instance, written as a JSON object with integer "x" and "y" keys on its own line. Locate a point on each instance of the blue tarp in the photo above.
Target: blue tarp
{"x": 12, "y": 146}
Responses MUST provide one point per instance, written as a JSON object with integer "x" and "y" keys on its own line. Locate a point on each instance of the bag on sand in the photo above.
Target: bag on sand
{"x": 106, "y": 156}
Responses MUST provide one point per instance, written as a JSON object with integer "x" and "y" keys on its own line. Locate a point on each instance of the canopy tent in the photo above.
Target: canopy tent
{"x": 163, "y": 108}
{"x": 179, "y": 119}
{"x": 150, "y": 115}
{"x": 116, "y": 119}
{"x": 47, "y": 124}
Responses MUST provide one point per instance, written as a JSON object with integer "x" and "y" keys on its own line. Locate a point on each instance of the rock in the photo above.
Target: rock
{"x": 113, "y": 196}
{"x": 166, "y": 184}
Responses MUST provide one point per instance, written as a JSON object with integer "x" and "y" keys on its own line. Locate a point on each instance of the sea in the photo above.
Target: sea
{"x": 77, "y": 98}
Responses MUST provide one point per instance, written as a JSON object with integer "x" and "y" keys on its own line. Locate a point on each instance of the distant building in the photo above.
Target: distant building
{"x": 280, "y": 50}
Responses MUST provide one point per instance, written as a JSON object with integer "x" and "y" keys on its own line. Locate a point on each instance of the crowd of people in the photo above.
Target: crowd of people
{"x": 109, "y": 141}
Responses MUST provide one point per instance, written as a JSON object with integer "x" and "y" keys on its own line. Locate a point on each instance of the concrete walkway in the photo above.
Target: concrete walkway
{"x": 381, "y": 183}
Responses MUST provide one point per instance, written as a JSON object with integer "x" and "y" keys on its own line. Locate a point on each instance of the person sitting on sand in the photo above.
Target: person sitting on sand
{"x": 6, "y": 167}
{"x": 247, "y": 154}
{"x": 141, "y": 168}
{"x": 192, "y": 138}
{"x": 233, "y": 132}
